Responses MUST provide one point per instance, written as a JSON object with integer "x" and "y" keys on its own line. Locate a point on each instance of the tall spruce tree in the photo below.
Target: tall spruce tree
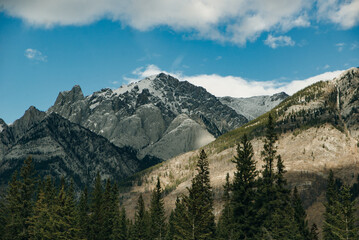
{"x": 199, "y": 204}
{"x": 180, "y": 223}
{"x": 82, "y": 216}
{"x": 332, "y": 196}
{"x": 225, "y": 222}
{"x": 157, "y": 213}
{"x": 140, "y": 228}
{"x": 341, "y": 219}
{"x": 96, "y": 209}
{"x": 275, "y": 213}
{"x": 244, "y": 191}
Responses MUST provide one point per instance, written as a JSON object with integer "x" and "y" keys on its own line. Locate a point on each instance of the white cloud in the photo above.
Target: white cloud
{"x": 35, "y": 55}
{"x": 235, "y": 21}
{"x": 344, "y": 13}
{"x": 236, "y": 86}
{"x": 280, "y": 41}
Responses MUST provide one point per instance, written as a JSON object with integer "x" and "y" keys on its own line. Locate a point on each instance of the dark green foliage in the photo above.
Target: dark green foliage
{"x": 225, "y": 222}
{"x": 275, "y": 214}
{"x": 300, "y": 216}
{"x": 244, "y": 192}
{"x": 20, "y": 202}
{"x": 340, "y": 219}
{"x": 199, "y": 204}
{"x": 96, "y": 210}
{"x": 157, "y": 214}
{"x": 140, "y": 228}
{"x": 83, "y": 219}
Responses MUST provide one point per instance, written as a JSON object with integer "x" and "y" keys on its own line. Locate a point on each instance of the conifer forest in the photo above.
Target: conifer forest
{"x": 258, "y": 205}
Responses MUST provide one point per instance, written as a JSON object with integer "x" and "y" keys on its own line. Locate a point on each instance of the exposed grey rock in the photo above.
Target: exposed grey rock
{"x": 183, "y": 134}
{"x": 253, "y": 107}
{"x": 139, "y": 114}
{"x": 347, "y": 85}
{"x": 62, "y": 148}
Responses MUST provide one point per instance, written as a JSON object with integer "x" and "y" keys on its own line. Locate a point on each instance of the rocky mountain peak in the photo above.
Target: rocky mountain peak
{"x": 3, "y": 125}
{"x": 279, "y": 96}
{"x": 66, "y": 97}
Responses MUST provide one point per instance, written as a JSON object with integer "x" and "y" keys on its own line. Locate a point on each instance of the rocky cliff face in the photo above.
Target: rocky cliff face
{"x": 253, "y": 107}
{"x": 62, "y": 148}
{"x": 159, "y": 115}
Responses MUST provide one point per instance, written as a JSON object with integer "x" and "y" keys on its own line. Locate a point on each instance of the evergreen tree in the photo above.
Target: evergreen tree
{"x": 341, "y": 220}
{"x": 157, "y": 213}
{"x": 225, "y": 222}
{"x": 180, "y": 224}
{"x": 275, "y": 214}
{"x": 83, "y": 219}
{"x": 332, "y": 197}
{"x": 243, "y": 191}
{"x": 141, "y": 224}
{"x": 171, "y": 227}
{"x": 300, "y": 215}
{"x": 41, "y": 222}
{"x": 96, "y": 216}
{"x": 110, "y": 208}
{"x": 20, "y": 202}
{"x": 199, "y": 204}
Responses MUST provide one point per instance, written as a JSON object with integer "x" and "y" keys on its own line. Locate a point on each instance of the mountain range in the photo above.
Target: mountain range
{"x": 120, "y": 132}
{"x": 317, "y": 131}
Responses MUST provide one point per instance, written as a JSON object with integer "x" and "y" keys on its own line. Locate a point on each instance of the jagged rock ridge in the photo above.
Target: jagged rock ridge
{"x": 253, "y": 107}
{"x": 62, "y": 148}
{"x": 142, "y": 114}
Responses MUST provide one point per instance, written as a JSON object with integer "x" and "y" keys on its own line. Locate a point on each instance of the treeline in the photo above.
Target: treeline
{"x": 258, "y": 205}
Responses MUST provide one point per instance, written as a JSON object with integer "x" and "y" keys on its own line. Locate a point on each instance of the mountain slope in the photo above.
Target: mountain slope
{"x": 140, "y": 115}
{"x": 61, "y": 148}
{"x": 315, "y": 134}
{"x": 253, "y": 107}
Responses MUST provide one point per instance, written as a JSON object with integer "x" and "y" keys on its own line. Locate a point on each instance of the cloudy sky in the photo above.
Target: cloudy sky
{"x": 239, "y": 48}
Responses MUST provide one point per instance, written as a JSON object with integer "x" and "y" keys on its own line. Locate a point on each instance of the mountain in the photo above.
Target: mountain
{"x": 159, "y": 115}
{"x": 62, "y": 148}
{"x": 253, "y": 107}
{"x": 317, "y": 131}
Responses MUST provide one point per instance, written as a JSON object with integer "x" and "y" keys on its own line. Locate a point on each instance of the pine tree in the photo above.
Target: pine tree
{"x": 41, "y": 222}
{"x": 96, "y": 216}
{"x": 20, "y": 201}
{"x": 275, "y": 213}
{"x": 300, "y": 215}
{"x": 171, "y": 227}
{"x": 225, "y": 222}
{"x": 110, "y": 208}
{"x": 181, "y": 225}
{"x": 341, "y": 220}
{"x": 141, "y": 224}
{"x": 243, "y": 191}
{"x": 82, "y": 217}
{"x": 157, "y": 213}
{"x": 332, "y": 196}
{"x": 199, "y": 204}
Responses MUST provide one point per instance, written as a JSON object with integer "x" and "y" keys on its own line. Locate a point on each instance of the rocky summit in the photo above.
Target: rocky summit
{"x": 159, "y": 115}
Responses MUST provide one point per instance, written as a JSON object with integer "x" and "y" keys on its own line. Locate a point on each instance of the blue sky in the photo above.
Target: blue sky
{"x": 238, "y": 48}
